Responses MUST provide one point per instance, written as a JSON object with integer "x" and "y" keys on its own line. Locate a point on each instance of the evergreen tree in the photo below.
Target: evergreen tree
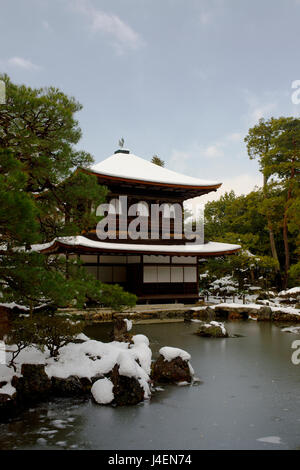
{"x": 157, "y": 161}
{"x": 277, "y": 145}
{"x": 42, "y": 196}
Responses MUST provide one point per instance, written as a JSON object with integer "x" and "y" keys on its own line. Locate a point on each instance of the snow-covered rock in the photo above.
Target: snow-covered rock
{"x": 172, "y": 366}
{"x": 212, "y": 329}
{"x": 261, "y": 312}
{"x": 169, "y": 353}
{"x": 78, "y": 366}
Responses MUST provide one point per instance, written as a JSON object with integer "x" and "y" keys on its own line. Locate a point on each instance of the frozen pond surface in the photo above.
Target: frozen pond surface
{"x": 249, "y": 398}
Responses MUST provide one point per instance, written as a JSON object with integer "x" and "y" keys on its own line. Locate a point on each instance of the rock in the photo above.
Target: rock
{"x": 281, "y": 316}
{"x": 86, "y": 384}
{"x": 264, "y": 314}
{"x": 126, "y": 390}
{"x": 176, "y": 370}
{"x": 205, "y": 313}
{"x": 34, "y": 383}
{"x": 71, "y": 387}
{"x": 5, "y": 320}
{"x": 233, "y": 315}
{"x": 96, "y": 377}
{"x": 212, "y": 330}
{"x": 120, "y": 332}
{"x": 290, "y": 296}
{"x": 188, "y": 315}
{"x": 223, "y": 311}
{"x": 7, "y": 405}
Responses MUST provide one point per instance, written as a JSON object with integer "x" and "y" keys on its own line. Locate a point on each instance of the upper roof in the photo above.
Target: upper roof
{"x": 126, "y": 165}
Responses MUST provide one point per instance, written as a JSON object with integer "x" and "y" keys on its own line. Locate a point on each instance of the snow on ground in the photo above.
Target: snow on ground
{"x": 13, "y": 305}
{"x": 235, "y": 305}
{"x": 292, "y": 329}
{"x": 170, "y": 353}
{"x": 6, "y": 375}
{"x": 82, "y": 337}
{"x": 293, "y": 290}
{"x": 291, "y": 310}
{"x": 216, "y": 299}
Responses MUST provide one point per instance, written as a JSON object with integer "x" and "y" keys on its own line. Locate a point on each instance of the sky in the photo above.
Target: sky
{"x": 182, "y": 79}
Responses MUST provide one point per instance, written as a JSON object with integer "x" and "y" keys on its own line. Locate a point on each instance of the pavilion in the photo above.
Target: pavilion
{"x": 157, "y": 269}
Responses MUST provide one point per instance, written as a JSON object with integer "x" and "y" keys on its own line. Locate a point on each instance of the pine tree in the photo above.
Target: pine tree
{"x": 157, "y": 161}
{"x": 43, "y": 195}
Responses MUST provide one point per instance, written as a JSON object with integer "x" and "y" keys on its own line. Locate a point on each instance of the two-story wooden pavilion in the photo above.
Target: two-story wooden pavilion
{"x": 155, "y": 270}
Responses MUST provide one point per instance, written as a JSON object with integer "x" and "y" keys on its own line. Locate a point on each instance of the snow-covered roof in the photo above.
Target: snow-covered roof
{"x": 129, "y": 166}
{"x": 188, "y": 249}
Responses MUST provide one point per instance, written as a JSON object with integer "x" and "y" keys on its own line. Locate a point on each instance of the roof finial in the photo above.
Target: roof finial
{"x": 121, "y": 142}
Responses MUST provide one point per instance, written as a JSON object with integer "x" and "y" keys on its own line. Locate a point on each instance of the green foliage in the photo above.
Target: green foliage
{"x": 243, "y": 268}
{"x": 33, "y": 279}
{"x": 55, "y": 332}
{"x": 21, "y": 335}
{"x": 157, "y": 161}
{"x": 295, "y": 273}
{"x": 114, "y": 297}
{"x": 276, "y": 143}
{"x": 43, "y": 196}
{"x": 52, "y": 333}
{"x": 238, "y": 219}
{"x": 39, "y": 128}
{"x": 17, "y": 208}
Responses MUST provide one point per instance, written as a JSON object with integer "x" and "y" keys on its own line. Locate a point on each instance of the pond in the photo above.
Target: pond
{"x": 248, "y": 398}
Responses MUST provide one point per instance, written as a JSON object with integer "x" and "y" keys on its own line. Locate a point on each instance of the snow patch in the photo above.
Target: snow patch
{"x": 170, "y": 353}
{"x": 270, "y": 439}
{"x": 102, "y": 391}
{"x": 128, "y": 324}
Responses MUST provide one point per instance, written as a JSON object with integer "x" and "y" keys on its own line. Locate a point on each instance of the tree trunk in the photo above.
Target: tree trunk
{"x": 270, "y": 230}
{"x": 286, "y": 251}
{"x": 285, "y": 228}
{"x": 272, "y": 244}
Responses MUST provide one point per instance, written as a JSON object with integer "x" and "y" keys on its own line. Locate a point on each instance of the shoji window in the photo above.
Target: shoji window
{"x": 176, "y": 274}
{"x": 190, "y": 274}
{"x": 150, "y": 274}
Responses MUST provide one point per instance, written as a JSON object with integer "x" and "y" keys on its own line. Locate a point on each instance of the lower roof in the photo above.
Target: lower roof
{"x": 79, "y": 244}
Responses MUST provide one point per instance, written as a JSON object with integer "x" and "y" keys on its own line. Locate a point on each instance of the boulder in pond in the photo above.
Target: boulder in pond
{"x": 264, "y": 314}
{"x": 34, "y": 384}
{"x": 172, "y": 366}
{"x": 7, "y": 405}
{"x": 121, "y": 328}
{"x": 126, "y": 390}
{"x": 70, "y": 387}
{"x": 203, "y": 312}
{"x": 212, "y": 329}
